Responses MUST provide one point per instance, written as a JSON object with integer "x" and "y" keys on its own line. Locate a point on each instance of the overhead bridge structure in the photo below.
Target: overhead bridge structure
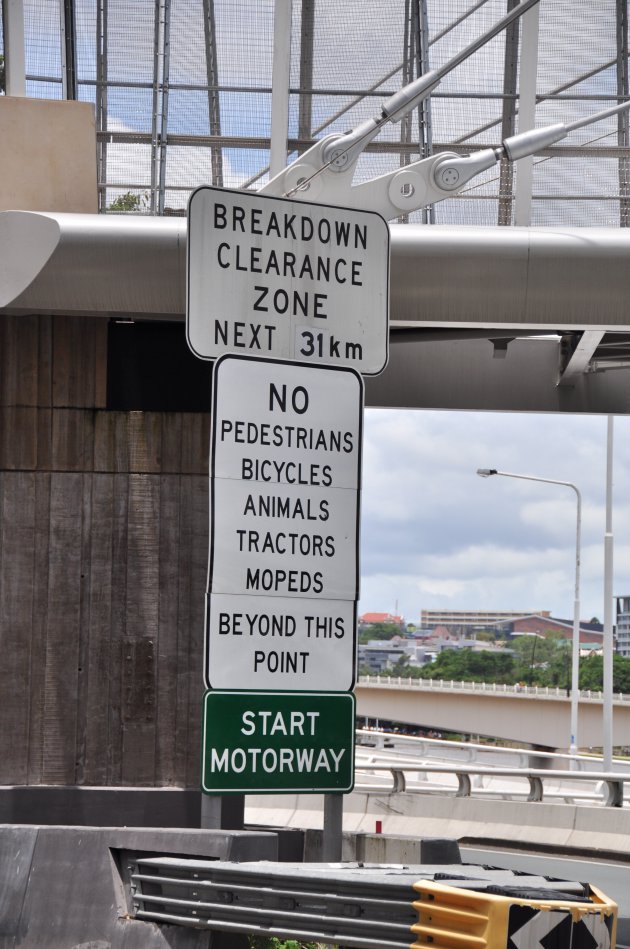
{"x": 517, "y": 319}
{"x": 535, "y": 716}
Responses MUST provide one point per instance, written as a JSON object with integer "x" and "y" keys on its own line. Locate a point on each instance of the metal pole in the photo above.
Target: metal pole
{"x": 305, "y": 108}
{"x": 154, "y": 106}
{"x": 101, "y": 100}
{"x": 332, "y": 832}
{"x": 222, "y": 811}
{"x": 575, "y": 665}
{"x": 280, "y": 79}
{"x": 623, "y": 128}
{"x": 425, "y": 124}
{"x": 575, "y": 668}
{"x": 607, "y": 687}
{"x": 407, "y": 76}
{"x": 212, "y": 73}
{"x": 508, "y": 119}
{"x": 166, "y": 61}
{"x": 69, "y": 50}
{"x": 526, "y": 116}
{"x": 14, "y": 64}
{"x": 416, "y": 51}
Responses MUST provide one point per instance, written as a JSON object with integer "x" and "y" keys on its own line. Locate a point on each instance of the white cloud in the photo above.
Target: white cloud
{"x": 187, "y": 166}
{"x": 434, "y": 534}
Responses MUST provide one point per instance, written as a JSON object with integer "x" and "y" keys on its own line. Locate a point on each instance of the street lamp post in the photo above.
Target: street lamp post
{"x": 575, "y": 665}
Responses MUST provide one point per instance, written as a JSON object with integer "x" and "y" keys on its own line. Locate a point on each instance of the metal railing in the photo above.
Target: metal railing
{"x": 442, "y": 748}
{"x": 527, "y": 691}
{"x": 597, "y": 787}
{"x": 466, "y": 772}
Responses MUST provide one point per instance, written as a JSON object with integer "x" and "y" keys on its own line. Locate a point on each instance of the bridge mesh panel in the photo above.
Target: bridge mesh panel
{"x": 149, "y": 76}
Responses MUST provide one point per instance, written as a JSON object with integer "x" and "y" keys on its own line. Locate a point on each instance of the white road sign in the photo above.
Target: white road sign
{"x": 258, "y": 530}
{"x": 285, "y": 478}
{"x": 280, "y": 642}
{"x": 286, "y": 279}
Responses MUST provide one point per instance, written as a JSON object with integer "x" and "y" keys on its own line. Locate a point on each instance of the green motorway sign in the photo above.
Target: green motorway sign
{"x": 281, "y": 742}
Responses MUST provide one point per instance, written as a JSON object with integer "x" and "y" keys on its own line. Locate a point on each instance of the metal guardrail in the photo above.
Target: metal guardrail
{"x": 355, "y": 905}
{"x": 323, "y": 904}
{"x": 471, "y": 751}
{"x": 527, "y": 691}
{"x": 603, "y": 787}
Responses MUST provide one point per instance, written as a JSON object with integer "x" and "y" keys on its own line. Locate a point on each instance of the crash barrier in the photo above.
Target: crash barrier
{"x": 471, "y": 751}
{"x": 351, "y": 904}
{"x": 477, "y": 916}
{"x": 595, "y": 787}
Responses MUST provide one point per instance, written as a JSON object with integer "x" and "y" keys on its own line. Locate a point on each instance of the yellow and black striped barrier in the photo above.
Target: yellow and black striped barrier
{"x": 512, "y": 917}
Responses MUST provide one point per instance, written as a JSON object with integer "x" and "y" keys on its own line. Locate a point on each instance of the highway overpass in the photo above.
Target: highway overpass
{"x": 532, "y": 715}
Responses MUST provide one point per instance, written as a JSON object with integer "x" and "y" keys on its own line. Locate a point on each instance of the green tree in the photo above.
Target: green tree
{"x": 469, "y": 665}
{"x": 557, "y": 671}
{"x": 2, "y": 74}
{"x": 380, "y": 631}
{"x": 542, "y": 660}
{"x": 129, "y": 203}
{"x": 592, "y": 673}
{"x": 273, "y": 942}
{"x": 621, "y": 673}
{"x": 402, "y": 668}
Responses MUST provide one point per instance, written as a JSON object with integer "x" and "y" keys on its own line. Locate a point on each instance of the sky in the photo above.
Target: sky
{"x": 435, "y": 535}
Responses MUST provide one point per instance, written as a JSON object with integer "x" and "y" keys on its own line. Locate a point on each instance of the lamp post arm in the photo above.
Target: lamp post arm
{"x": 575, "y": 668}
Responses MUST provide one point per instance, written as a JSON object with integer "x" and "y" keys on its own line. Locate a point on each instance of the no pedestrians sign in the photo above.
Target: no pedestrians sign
{"x": 285, "y": 485}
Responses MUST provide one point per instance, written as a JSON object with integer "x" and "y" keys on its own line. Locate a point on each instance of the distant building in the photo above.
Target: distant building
{"x": 382, "y": 655}
{"x": 623, "y": 625}
{"x": 591, "y": 649}
{"x": 379, "y": 656}
{"x": 389, "y": 619}
{"x": 421, "y": 634}
{"x": 464, "y": 622}
{"x": 538, "y": 625}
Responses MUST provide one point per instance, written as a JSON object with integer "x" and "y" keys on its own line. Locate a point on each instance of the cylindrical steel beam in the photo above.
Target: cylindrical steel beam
{"x": 475, "y": 277}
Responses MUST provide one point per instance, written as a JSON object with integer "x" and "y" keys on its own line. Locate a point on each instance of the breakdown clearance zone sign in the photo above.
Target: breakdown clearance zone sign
{"x": 284, "y": 279}
{"x": 283, "y": 574}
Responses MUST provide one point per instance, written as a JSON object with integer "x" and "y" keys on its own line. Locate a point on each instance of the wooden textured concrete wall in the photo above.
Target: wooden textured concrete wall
{"x": 59, "y": 172}
{"x": 103, "y": 557}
